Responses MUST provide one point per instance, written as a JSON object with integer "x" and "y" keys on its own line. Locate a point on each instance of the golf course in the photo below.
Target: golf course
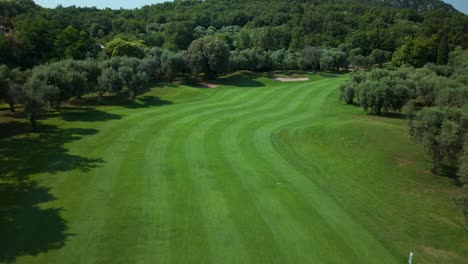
{"x": 253, "y": 170}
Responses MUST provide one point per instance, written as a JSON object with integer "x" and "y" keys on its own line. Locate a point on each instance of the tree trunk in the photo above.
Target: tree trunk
{"x": 32, "y": 120}
{"x": 132, "y": 95}
{"x": 100, "y": 98}
{"x": 57, "y": 105}
{"x": 12, "y": 106}
{"x": 435, "y": 161}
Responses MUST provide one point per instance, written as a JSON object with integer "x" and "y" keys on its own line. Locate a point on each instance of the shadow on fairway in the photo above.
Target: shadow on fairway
{"x": 44, "y": 152}
{"x": 450, "y": 172}
{"x": 241, "y": 79}
{"x": 146, "y": 101}
{"x": 394, "y": 115}
{"x": 84, "y": 105}
{"x": 25, "y": 227}
{"x": 11, "y": 129}
{"x": 390, "y": 115}
{"x": 86, "y": 114}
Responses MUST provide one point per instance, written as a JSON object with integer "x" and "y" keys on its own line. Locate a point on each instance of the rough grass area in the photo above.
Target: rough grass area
{"x": 254, "y": 171}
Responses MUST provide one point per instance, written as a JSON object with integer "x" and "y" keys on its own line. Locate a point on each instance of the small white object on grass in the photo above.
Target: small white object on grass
{"x": 410, "y": 261}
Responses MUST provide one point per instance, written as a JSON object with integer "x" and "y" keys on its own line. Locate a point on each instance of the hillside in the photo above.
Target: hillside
{"x": 33, "y": 35}
{"x": 420, "y": 5}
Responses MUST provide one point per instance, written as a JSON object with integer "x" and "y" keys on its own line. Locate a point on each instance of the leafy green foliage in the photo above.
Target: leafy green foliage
{"x": 441, "y": 132}
{"x": 463, "y": 172}
{"x": 416, "y": 51}
{"x": 435, "y": 99}
{"x": 443, "y": 52}
{"x": 72, "y": 44}
{"x": 119, "y": 47}
{"x": 32, "y": 98}
{"x": 34, "y": 35}
{"x": 208, "y": 55}
{"x": 173, "y": 65}
{"x": 109, "y": 81}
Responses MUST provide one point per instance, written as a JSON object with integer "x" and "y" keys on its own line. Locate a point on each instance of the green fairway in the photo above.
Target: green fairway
{"x": 253, "y": 171}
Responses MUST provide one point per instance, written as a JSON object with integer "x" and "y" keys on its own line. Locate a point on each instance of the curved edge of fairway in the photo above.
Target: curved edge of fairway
{"x": 382, "y": 205}
{"x": 303, "y": 192}
{"x": 205, "y": 181}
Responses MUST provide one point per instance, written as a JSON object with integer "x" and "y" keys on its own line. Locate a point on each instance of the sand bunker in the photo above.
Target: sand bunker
{"x": 291, "y": 79}
{"x": 207, "y": 85}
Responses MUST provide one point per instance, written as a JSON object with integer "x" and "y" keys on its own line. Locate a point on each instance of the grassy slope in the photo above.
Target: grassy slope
{"x": 252, "y": 172}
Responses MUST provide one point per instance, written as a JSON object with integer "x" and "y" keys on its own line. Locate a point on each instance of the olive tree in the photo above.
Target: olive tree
{"x": 173, "y": 65}
{"x": 108, "y": 81}
{"x": 440, "y": 131}
{"x": 209, "y": 55}
{"x": 32, "y": 98}
{"x": 66, "y": 82}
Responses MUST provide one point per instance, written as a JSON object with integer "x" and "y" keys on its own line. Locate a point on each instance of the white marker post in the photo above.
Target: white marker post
{"x": 410, "y": 261}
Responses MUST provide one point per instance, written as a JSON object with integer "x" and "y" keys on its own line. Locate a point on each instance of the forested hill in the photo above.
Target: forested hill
{"x": 31, "y": 35}
{"x": 420, "y": 5}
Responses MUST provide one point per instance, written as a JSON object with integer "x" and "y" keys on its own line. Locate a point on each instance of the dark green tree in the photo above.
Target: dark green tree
{"x": 380, "y": 57}
{"x": 463, "y": 171}
{"x": 32, "y": 99}
{"x": 440, "y": 131}
{"x": 119, "y": 47}
{"x": 173, "y": 65}
{"x": 312, "y": 57}
{"x": 108, "y": 81}
{"x": 208, "y": 55}
{"x": 443, "y": 51}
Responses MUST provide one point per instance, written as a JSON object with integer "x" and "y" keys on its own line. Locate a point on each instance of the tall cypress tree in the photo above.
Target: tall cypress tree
{"x": 443, "y": 52}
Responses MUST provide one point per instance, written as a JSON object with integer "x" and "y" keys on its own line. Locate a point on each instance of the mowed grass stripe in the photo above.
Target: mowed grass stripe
{"x": 100, "y": 188}
{"x": 266, "y": 152}
{"x": 242, "y": 106}
{"x": 176, "y": 133}
{"x": 223, "y": 235}
{"x": 181, "y": 122}
{"x": 253, "y": 179}
{"x": 206, "y": 181}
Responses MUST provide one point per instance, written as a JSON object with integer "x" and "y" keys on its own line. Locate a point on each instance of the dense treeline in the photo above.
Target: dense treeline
{"x": 435, "y": 99}
{"x": 49, "y": 85}
{"x": 33, "y": 35}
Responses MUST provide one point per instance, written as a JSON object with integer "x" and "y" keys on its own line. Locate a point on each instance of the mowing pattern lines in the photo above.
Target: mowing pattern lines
{"x": 201, "y": 182}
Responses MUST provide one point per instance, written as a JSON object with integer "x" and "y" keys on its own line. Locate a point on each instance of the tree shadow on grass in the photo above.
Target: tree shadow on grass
{"x": 450, "y": 172}
{"x": 25, "y": 227}
{"x": 23, "y": 156}
{"x": 84, "y": 105}
{"x": 241, "y": 79}
{"x": 11, "y": 129}
{"x": 146, "y": 101}
{"x": 165, "y": 85}
{"x": 86, "y": 114}
{"x": 394, "y": 115}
